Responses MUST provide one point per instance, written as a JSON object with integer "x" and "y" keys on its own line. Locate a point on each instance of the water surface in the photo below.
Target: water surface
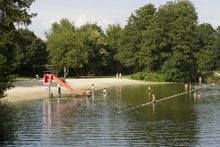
{"x": 180, "y": 121}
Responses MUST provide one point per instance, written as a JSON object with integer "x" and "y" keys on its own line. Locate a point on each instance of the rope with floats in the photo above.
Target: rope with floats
{"x": 166, "y": 98}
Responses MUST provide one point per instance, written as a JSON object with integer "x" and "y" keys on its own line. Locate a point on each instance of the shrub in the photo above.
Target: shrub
{"x": 149, "y": 76}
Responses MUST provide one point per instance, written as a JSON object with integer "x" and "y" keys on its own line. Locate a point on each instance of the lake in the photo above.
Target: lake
{"x": 180, "y": 121}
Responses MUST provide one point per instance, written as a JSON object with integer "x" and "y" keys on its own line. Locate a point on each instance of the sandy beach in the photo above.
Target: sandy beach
{"x": 35, "y": 89}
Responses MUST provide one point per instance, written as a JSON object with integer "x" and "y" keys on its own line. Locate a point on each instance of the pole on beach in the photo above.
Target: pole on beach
{"x": 50, "y": 95}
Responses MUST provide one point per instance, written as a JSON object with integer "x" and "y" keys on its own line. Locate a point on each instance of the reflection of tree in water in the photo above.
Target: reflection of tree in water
{"x": 7, "y": 127}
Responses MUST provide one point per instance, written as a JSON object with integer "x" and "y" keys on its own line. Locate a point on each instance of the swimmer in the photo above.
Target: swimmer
{"x": 153, "y": 99}
{"x": 199, "y": 95}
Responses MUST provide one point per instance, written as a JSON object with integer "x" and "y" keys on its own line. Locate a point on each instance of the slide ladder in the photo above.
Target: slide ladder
{"x": 49, "y": 77}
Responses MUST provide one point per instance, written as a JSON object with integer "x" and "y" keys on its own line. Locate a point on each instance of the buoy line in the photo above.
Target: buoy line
{"x": 203, "y": 86}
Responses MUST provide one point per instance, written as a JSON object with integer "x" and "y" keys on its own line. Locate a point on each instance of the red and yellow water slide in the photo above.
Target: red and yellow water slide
{"x": 49, "y": 77}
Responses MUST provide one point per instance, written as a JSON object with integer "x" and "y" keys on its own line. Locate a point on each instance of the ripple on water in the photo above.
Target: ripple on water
{"x": 95, "y": 122}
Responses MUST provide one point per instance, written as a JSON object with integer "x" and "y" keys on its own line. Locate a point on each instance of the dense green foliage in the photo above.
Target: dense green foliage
{"x": 31, "y": 54}
{"x": 166, "y": 41}
{"x": 93, "y": 39}
{"x": 170, "y": 41}
{"x": 113, "y": 37}
{"x": 131, "y": 48}
{"x": 65, "y": 47}
{"x": 152, "y": 76}
{"x": 15, "y": 12}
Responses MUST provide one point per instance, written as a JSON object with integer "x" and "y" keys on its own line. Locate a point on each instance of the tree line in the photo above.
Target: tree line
{"x": 167, "y": 40}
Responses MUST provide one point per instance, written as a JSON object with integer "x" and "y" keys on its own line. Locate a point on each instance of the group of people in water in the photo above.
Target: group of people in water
{"x": 91, "y": 93}
{"x": 187, "y": 87}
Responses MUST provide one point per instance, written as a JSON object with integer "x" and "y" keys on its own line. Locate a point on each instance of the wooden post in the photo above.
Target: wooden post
{"x": 49, "y": 91}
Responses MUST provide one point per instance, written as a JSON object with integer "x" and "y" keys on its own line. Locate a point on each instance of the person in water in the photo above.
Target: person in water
{"x": 200, "y": 80}
{"x": 104, "y": 91}
{"x": 153, "y": 99}
{"x": 186, "y": 86}
{"x": 93, "y": 87}
{"x": 88, "y": 93}
{"x": 149, "y": 89}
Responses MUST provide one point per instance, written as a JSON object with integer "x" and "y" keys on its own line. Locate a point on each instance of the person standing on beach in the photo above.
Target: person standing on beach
{"x": 117, "y": 75}
{"x": 59, "y": 89}
{"x": 37, "y": 77}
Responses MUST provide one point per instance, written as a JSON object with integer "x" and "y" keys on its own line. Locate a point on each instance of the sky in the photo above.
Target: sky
{"x": 105, "y": 12}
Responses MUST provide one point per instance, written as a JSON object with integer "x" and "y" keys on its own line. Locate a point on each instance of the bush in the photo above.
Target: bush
{"x": 152, "y": 76}
{"x": 215, "y": 77}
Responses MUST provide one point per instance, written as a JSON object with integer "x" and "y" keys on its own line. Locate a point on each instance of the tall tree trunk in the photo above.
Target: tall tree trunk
{"x": 66, "y": 71}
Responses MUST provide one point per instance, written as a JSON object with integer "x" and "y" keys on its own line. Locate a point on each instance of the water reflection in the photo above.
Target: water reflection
{"x": 8, "y": 115}
{"x": 94, "y": 121}
{"x": 47, "y": 120}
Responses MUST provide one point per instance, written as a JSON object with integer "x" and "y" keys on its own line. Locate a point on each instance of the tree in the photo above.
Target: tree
{"x": 113, "y": 37}
{"x": 132, "y": 37}
{"x": 13, "y": 12}
{"x": 216, "y": 47}
{"x": 178, "y": 20}
{"x": 94, "y": 41}
{"x": 31, "y": 53}
{"x": 150, "y": 55}
{"x": 65, "y": 47}
{"x": 206, "y": 57}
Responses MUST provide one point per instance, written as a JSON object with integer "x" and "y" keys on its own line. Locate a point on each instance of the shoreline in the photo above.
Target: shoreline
{"x": 26, "y": 90}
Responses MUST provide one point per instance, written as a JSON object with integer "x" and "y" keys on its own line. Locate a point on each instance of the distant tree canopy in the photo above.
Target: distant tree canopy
{"x": 65, "y": 47}
{"x": 93, "y": 39}
{"x": 31, "y": 53}
{"x": 113, "y": 37}
{"x": 133, "y": 36}
{"x": 13, "y": 13}
{"x": 167, "y": 40}
{"x": 170, "y": 41}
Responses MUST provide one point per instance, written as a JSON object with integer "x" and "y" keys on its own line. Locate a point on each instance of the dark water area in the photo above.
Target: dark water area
{"x": 181, "y": 121}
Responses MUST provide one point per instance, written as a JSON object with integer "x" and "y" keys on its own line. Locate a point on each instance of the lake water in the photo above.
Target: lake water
{"x": 93, "y": 122}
